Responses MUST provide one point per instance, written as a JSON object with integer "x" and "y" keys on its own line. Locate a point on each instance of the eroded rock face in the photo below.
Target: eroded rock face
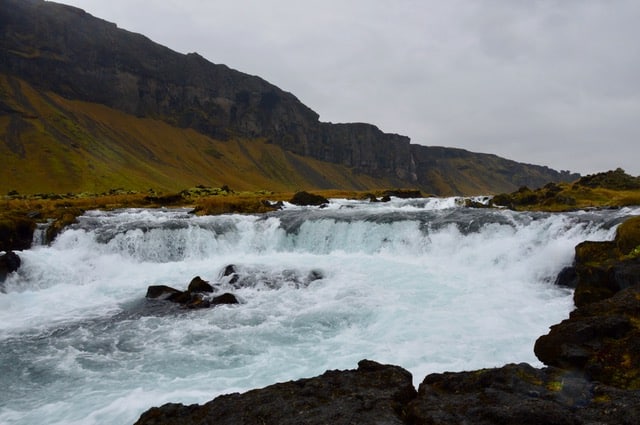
{"x": 520, "y": 394}
{"x": 9, "y": 263}
{"x": 198, "y": 284}
{"x": 604, "y": 268}
{"x": 371, "y": 394}
{"x": 601, "y": 339}
{"x": 382, "y": 394}
{"x": 16, "y": 233}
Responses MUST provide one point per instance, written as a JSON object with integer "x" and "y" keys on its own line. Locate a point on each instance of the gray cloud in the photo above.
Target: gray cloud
{"x": 548, "y": 82}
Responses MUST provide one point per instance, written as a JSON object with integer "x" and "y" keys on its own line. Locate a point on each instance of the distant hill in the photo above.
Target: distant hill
{"x": 85, "y": 106}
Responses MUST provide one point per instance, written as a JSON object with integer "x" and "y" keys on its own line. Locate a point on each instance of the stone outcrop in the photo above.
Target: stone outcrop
{"x": 601, "y": 338}
{"x": 520, "y": 394}
{"x": 604, "y": 268}
{"x": 308, "y": 199}
{"x": 9, "y": 263}
{"x": 384, "y": 394}
{"x": 16, "y": 233}
{"x": 196, "y": 295}
{"x": 371, "y": 394}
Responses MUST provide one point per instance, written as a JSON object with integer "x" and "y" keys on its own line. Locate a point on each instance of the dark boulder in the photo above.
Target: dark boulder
{"x": 520, "y": 394}
{"x": 194, "y": 297}
{"x": 308, "y": 199}
{"x": 9, "y": 263}
{"x": 403, "y": 193}
{"x": 383, "y": 394}
{"x": 567, "y": 277}
{"x": 197, "y": 284}
{"x": 226, "y": 298}
{"x": 229, "y": 270}
{"x": 628, "y": 235}
{"x": 16, "y": 233}
{"x": 230, "y": 274}
{"x": 604, "y": 268}
{"x": 161, "y": 292}
{"x": 314, "y": 275}
{"x": 371, "y": 394}
{"x": 601, "y": 340}
{"x": 601, "y": 279}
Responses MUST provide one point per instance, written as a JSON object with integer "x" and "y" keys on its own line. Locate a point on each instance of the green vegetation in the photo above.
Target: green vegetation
{"x": 20, "y": 213}
{"x": 52, "y": 144}
{"x": 603, "y": 190}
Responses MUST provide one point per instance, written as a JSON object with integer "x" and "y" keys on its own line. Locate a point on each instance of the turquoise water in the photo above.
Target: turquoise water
{"x": 425, "y": 284}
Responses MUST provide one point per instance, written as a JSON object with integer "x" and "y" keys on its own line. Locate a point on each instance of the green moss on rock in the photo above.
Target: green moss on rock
{"x": 16, "y": 233}
{"x": 628, "y": 235}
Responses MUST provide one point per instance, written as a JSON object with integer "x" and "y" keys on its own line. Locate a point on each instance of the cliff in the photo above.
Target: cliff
{"x": 61, "y": 54}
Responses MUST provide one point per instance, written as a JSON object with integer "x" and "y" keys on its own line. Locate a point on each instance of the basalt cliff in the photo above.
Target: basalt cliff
{"x": 86, "y": 106}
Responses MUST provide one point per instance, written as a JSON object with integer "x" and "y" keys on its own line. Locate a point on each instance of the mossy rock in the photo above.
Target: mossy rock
{"x": 604, "y": 268}
{"x": 628, "y": 235}
{"x": 16, "y": 233}
{"x": 306, "y": 198}
{"x": 601, "y": 340}
{"x": 503, "y": 200}
{"x": 596, "y": 253}
{"x": 64, "y": 218}
{"x": 616, "y": 180}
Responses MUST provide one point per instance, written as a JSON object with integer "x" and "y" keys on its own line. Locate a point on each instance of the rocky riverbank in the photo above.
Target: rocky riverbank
{"x": 593, "y": 373}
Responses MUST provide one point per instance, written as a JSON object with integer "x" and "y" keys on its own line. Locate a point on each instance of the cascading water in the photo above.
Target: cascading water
{"x": 425, "y": 284}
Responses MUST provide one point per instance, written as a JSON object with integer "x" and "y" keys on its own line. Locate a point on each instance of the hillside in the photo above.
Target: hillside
{"x": 85, "y": 106}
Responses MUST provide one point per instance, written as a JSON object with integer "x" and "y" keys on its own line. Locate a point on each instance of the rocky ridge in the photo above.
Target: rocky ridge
{"x": 593, "y": 373}
{"x": 63, "y": 50}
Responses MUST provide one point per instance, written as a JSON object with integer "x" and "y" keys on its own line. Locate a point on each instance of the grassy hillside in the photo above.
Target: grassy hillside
{"x": 609, "y": 189}
{"x": 52, "y": 144}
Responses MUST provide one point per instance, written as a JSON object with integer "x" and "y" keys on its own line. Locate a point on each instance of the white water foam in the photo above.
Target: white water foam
{"x": 415, "y": 283}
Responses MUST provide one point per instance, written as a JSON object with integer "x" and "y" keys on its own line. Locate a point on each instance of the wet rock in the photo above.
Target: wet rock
{"x": 403, "y": 193}
{"x": 520, "y": 394}
{"x": 601, "y": 340}
{"x": 272, "y": 205}
{"x": 197, "y": 284}
{"x": 226, "y": 298}
{"x": 193, "y": 298}
{"x": 230, "y": 274}
{"x": 372, "y": 394}
{"x": 604, "y": 268}
{"x": 308, "y": 199}
{"x": 314, "y": 275}
{"x": 229, "y": 270}
{"x": 383, "y": 394}
{"x": 161, "y": 292}
{"x": 16, "y": 233}
{"x": 567, "y": 277}
{"x": 9, "y": 263}
{"x": 628, "y": 235}
{"x": 197, "y": 301}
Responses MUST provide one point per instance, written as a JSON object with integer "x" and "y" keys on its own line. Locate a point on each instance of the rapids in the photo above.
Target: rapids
{"x": 425, "y": 284}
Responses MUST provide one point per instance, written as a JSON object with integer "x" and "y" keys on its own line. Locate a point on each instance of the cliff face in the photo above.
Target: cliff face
{"x": 66, "y": 51}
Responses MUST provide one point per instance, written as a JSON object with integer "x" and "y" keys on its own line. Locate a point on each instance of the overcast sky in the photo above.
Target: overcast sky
{"x": 554, "y": 83}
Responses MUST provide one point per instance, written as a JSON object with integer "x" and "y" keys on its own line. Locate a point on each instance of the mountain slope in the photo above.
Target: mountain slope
{"x": 54, "y": 144}
{"x": 87, "y": 106}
